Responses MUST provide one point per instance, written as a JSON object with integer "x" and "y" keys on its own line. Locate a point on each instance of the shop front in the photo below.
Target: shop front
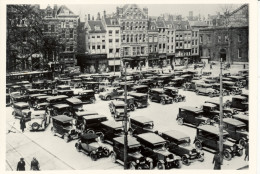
{"x": 96, "y": 63}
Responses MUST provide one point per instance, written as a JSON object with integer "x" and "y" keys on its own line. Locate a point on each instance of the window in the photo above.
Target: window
{"x": 110, "y": 40}
{"x": 117, "y": 31}
{"x": 155, "y": 39}
{"x": 226, "y": 38}
{"x": 98, "y": 37}
{"x": 180, "y": 44}
{"x": 110, "y": 32}
{"x": 117, "y": 50}
{"x": 103, "y": 41}
{"x": 209, "y": 38}
{"x": 239, "y": 53}
{"x": 110, "y": 50}
{"x": 46, "y": 28}
{"x": 52, "y": 28}
{"x": 201, "y": 39}
{"x": 239, "y": 37}
{"x": 71, "y": 48}
{"x": 142, "y": 50}
{"x": 63, "y": 25}
{"x": 134, "y": 51}
{"x": 71, "y": 25}
{"x": 150, "y": 48}
{"x": 150, "y": 39}
{"x": 98, "y": 47}
{"x": 117, "y": 40}
{"x": 71, "y": 33}
{"x": 177, "y": 44}
{"x": 93, "y": 37}
{"x": 192, "y": 42}
{"x": 219, "y": 38}
{"x": 93, "y": 47}
{"x": 103, "y": 47}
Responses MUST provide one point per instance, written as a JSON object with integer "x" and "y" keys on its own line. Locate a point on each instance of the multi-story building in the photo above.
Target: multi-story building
{"x": 162, "y": 40}
{"x": 170, "y": 33}
{"x": 113, "y": 41}
{"x": 62, "y": 22}
{"x": 134, "y": 34}
{"x": 153, "y": 44}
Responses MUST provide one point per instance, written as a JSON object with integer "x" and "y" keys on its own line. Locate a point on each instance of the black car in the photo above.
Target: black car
{"x": 141, "y": 124}
{"x": 157, "y": 94}
{"x": 134, "y": 158}
{"x": 239, "y": 103}
{"x": 173, "y": 92}
{"x": 153, "y": 146}
{"x": 80, "y": 120}
{"x": 110, "y": 129}
{"x": 88, "y": 143}
{"x": 140, "y": 89}
{"x": 179, "y": 144}
{"x": 41, "y": 102}
{"x": 86, "y": 96}
{"x": 140, "y": 99}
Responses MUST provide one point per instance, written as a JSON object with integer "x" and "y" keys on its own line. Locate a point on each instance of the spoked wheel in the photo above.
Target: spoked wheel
{"x": 162, "y": 102}
{"x": 93, "y": 156}
{"x": 132, "y": 166}
{"x": 180, "y": 121}
{"x": 90, "y": 131}
{"x": 160, "y": 166}
{"x": 185, "y": 161}
{"x": 113, "y": 157}
{"x": 198, "y": 145}
{"x": 227, "y": 155}
{"x": 35, "y": 126}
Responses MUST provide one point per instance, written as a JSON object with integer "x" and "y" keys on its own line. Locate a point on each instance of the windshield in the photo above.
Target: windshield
{"x": 67, "y": 124}
{"x": 25, "y": 107}
{"x": 141, "y": 98}
{"x": 242, "y": 129}
{"x": 120, "y": 107}
{"x": 160, "y": 147}
{"x": 134, "y": 150}
{"x": 184, "y": 142}
{"x": 148, "y": 125}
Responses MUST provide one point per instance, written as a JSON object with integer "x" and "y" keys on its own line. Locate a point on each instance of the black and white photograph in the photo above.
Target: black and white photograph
{"x": 129, "y": 86}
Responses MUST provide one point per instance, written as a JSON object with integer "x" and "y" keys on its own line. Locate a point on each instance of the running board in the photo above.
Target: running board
{"x": 209, "y": 150}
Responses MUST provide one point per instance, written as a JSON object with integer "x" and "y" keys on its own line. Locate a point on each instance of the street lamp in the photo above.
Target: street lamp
{"x": 221, "y": 116}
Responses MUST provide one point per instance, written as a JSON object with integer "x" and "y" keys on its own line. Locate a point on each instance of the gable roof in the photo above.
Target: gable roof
{"x": 111, "y": 21}
{"x": 181, "y": 25}
{"x": 93, "y": 24}
{"x": 61, "y": 11}
{"x": 160, "y": 23}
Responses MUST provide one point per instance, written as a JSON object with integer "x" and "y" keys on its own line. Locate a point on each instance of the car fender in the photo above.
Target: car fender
{"x": 229, "y": 150}
{"x": 186, "y": 155}
{"x": 179, "y": 158}
{"x": 148, "y": 159}
{"x": 161, "y": 161}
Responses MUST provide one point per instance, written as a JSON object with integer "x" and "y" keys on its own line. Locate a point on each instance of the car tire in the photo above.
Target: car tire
{"x": 66, "y": 138}
{"x": 227, "y": 155}
{"x": 90, "y": 131}
{"x": 13, "y": 113}
{"x": 132, "y": 107}
{"x": 180, "y": 121}
{"x": 106, "y": 153}
{"x": 35, "y": 126}
{"x": 242, "y": 142}
{"x": 151, "y": 165}
{"x": 198, "y": 145}
{"x": 93, "y": 156}
{"x": 132, "y": 166}
{"x": 176, "y": 100}
{"x": 92, "y": 100}
{"x": 160, "y": 166}
{"x": 178, "y": 164}
{"x": 108, "y": 98}
{"x": 162, "y": 102}
{"x": 53, "y": 131}
{"x": 78, "y": 147}
{"x": 185, "y": 160}
{"x": 232, "y": 93}
{"x": 113, "y": 157}
{"x": 211, "y": 95}
{"x": 140, "y": 167}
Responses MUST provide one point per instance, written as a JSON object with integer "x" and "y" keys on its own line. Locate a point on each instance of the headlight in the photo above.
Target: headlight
{"x": 137, "y": 161}
{"x": 167, "y": 159}
{"x": 231, "y": 148}
{"x": 190, "y": 153}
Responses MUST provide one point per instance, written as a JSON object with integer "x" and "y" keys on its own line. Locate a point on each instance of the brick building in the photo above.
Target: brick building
{"x": 153, "y": 57}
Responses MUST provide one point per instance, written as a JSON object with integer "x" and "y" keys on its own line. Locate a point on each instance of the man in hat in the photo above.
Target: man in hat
{"x": 21, "y": 165}
{"x": 35, "y": 164}
{"x": 216, "y": 161}
{"x": 22, "y": 124}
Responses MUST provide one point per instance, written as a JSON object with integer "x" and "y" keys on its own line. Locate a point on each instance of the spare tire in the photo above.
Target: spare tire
{"x": 35, "y": 126}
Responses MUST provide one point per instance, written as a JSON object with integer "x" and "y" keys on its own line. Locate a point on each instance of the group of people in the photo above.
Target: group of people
{"x": 34, "y": 164}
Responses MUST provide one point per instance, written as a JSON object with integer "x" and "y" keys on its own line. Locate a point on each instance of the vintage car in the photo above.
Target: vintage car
{"x": 243, "y": 118}
{"x": 31, "y": 91}
{"x": 75, "y": 105}
{"x": 237, "y": 130}
{"x": 187, "y": 77}
{"x": 231, "y": 87}
{"x": 38, "y": 85}
{"x": 117, "y": 109}
{"x": 111, "y": 93}
{"x": 56, "y": 100}
{"x": 15, "y": 88}
{"x": 140, "y": 89}
{"x": 163, "y": 80}
{"x": 103, "y": 85}
{"x": 141, "y": 124}
{"x": 180, "y": 144}
{"x": 191, "y": 115}
{"x": 177, "y": 82}
{"x": 239, "y": 80}
{"x": 41, "y": 102}
{"x": 239, "y": 103}
{"x": 134, "y": 158}
{"x": 109, "y": 130}
{"x": 64, "y": 90}
{"x": 32, "y": 99}
{"x": 91, "y": 86}
{"x": 17, "y": 97}
{"x": 128, "y": 84}
{"x": 22, "y": 109}
{"x": 88, "y": 143}
{"x": 206, "y": 89}
{"x": 207, "y": 137}
{"x": 190, "y": 86}
{"x": 153, "y": 146}
{"x": 158, "y": 95}
{"x": 76, "y": 83}
{"x": 60, "y": 109}
{"x": 226, "y": 110}
{"x": 216, "y": 86}
{"x": 64, "y": 81}
{"x": 86, "y": 96}
{"x": 39, "y": 120}
{"x": 64, "y": 127}
{"x": 211, "y": 111}
{"x": 129, "y": 102}
{"x": 173, "y": 92}
{"x": 140, "y": 99}
{"x": 91, "y": 123}
{"x": 151, "y": 83}
{"x": 80, "y": 120}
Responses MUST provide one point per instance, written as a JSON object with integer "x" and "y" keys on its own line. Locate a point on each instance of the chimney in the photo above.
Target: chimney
{"x": 93, "y": 18}
{"x": 98, "y": 16}
{"x": 105, "y": 15}
{"x": 88, "y": 17}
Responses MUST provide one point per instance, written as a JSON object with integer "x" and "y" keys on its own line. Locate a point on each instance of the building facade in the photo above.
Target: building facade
{"x": 153, "y": 57}
{"x": 133, "y": 23}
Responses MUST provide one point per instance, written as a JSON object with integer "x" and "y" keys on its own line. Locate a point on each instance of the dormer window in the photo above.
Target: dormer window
{"x": 97, "y": 28}
{"x": 66, "y": 11}
{"x": 187, "y": 27}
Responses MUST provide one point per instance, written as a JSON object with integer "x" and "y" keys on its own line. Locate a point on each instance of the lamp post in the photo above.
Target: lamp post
{"x": 221, "y": 117}
{"x": 114, "y": 62}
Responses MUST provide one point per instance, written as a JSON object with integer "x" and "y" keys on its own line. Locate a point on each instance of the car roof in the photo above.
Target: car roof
{"x": 83, "y": 113}
{"x": 43, "y": 96}
{"x": 171, "y": 88}
{"x": 39, "y": 112}
{"x": 151, "y": 138}
{"x": 21, "y": 104}
{"x": 88, "y": 136}
{"x": 130, "y": 140}
{"x": 233, "y": 122}
{"x": 211, "y": 129}
{"x": 117, "y": 103}
{"x": 61, "y": 106}
{"x": 90, "y": 117}
{"x": 137, "y": 94}
{"x": 240, "y": 97}
{"x": 140, "y": 86}
{"x": 176, "y": 134}
{"x": 141, "y": 119}
{"x": 209, "y": 105}
{"x": 157, "y": 89}
{"x": 62, "y": 118}
{"x": 112, "y": 124}
{"x": 228, "y": 82}
{"x": 74, "y": 100}
{"x": 122, "y": 97}
{"x": 241, "y": 116}
{"x": 236, "y": 77}
{"x": 36, "y": 95}
{"x": 63, "y": 86}
{"x": 190, "y": 108}
{"x": 204, "y": 84}
{"x": 57, "y": 97}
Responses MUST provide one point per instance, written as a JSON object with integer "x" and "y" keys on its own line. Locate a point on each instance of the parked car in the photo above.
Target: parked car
{"x": 243, "y": 118}
{"x": 86, "y": 96}
{"x": 88, "y": 85}
{"x": 237, "y": 130}
{"x": 208, "y": 137}
{"x": 153, "y": 146}
{"x": 32, "y": 99}
{"x": 180, "y": 144}
{"x": 110, "y": 129}
{"x": 157, "y": 94}
{"x": 134, "y": 158}
{"x": 76, "y": 83}
{"x": 60, "y": 109}
{"x": 226, "y": 110}
{"x": 190, "y": 86}
{"x": 140, "y": 99}
{"x": 103, "y": 85}
{"x": 117, "y": 109}
{"x": 41, "y": 102}
{"x": 64, "y": 127}
{"x": 140, "y": 89}
{"x": 111, "y": 93}
{"x": 88, "y": 143}
{"x": 80, "y": 120}
{"x": 141, "y": 124}
{"x": 173, "y": 92}
{"x": 130, "y": 104}
{"x": 177, "y": 82}
{"x": 64, "y": 90}
{"x": 39, "y": 120}
{"x": 91, "y": 123}
{"x": 206, "y": 89}
{"x": 231, "y": 88}
{"x": 239, "y": 103}
{"x": 191, "y": 115}
{"x": 22, "y": 109}
{"x": 17, "y": 97}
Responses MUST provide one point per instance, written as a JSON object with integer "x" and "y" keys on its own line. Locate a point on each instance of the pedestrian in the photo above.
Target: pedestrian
{"x": 246, "y": 151}
{"x": 22, "y": 124}
{"x": 195, "y": 66}
{"x": 35, "y": 164}
{"x": 21, "y": 165}
{"x": 244, "y": 66}
{"x": 216, "y": 161}
{"x": 210, "y": 65}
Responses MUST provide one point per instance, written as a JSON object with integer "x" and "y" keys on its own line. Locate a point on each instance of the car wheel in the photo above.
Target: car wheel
{"x": 78, "y": 147}
{"x": 66, "y": 138}
{"x": 198, "y": 145}
{"x": 227, "y": 155}
{"x": 92, "y": 100}
{"x": 210, "y": 94}
{"x": 90, "y": 131}
{"x": 242, "y": 142}
{"x": 132, "y": 107}
{"x": 140, "y": 167}
{"x": 35, "y": 126}
{"x": 108, "y": 98}
{"x": 106, "y": 153}
{"x": 160, "y": 166}
{"x": 180, "y": 121}
{"x": 132, "y": 166}
{"x": 176, "y": 100}
{"x": 113, "y": 157}
{"x": 178, "y": 164}
{"x": 162, "y": 102}
{"x": 151, "y": 165}
{"x": 53, "y": 131}
{"x": 93, "y": 156}
{"x": 185, "y": 161}
{"x": 232, "y": 93}
{"x": 13, "y": 113}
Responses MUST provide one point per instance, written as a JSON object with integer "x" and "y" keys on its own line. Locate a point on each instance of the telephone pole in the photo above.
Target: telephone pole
{"x": 221, "y": 116}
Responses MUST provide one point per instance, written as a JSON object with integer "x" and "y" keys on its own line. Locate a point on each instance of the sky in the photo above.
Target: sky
{"x": 153, "y": 9}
